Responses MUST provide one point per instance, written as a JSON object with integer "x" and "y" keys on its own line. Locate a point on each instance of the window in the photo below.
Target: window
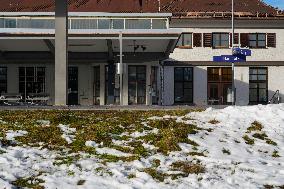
{"x": 219, "y": 85}
{"x": 3, "y": 80}
{"x": 154, "y": 84}
{"x": 185, "y": 40}
{"x": 118, "y": 24}
{"x": 115, "y": 85}
{"x": 10, "y": 23}
{"x": 183, "y": 85}
{"x": 138, "y": 24}
{"x": 97, "y": 85}
{"x": 31, "y": 80}
{"x": 159, "y": 24}
{"x": 257, "y": 40}
{"x": 220, "y": 40}
{"x": 258, "y": 86}
{"x": 1, "y": 22}
{"x": 84, "y": 24}
{"x": 136, "y": 85}
{"x": 104, "y": 24}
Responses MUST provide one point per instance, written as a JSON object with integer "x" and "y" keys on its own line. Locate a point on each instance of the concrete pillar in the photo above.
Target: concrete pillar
{"x": 61, "y": 52}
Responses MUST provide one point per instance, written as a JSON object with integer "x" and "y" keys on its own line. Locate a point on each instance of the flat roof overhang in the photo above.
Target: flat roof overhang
{"x": 87, "y": 45}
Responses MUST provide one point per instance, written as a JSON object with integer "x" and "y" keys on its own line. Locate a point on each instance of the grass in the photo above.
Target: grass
{"x": 248, "y": 140}
{"x": 226, "y": 151}
{"x": 188, "y": 167}
{"x": 30, "y": 182}
{"x": 213, "y": 121}
{"x": 255, "y": 126}
{"x": 275, "y": 154}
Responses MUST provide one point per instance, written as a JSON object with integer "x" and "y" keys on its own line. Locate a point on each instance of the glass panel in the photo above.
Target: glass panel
{"x": 104, "y": 24}
{"x": 178, "y": 92}
{"x": 262, "y": 85}
{"x": 159, "y": 24}
{"x": 178, "y": 74}
{"x": 252, "y": 71}
{"x": 253, "y": 77}
{"x": 262, "y": 71}
{"x": 10, "y": 23}
{"x": 187, "y": 95}
{"x": 262, "y": 95}
{"x": 253, "y": 95}
{"x": 252, "y": 37}
{"x": 261, "y": 43}
{"x": 118, "y": 23}
{"x": 180, "y": 40}
{"x": 262, "y": 37}
{"x": 42, "y": 23}
{"x": 187, "y": 39}
{"x": 24, "y": 23}
{"x": 253, "y": 85}
{"x": 1, "y": 22}
{"x": 252, "y": 43}
{"x": 225, "y": 37}
{"x": 138, "y": 24}
{"x": 187, "y": 74}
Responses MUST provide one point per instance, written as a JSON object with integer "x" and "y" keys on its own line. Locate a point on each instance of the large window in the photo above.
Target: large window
{"x": 220, "y": 40}
{"x": 31, "y": 80}
{"x": 3, "y": 80}
{"x": 257, "y": 40}
{"x": 185, "y": 40}
{"x": 258, "y": 92}
{"x": 138, "y": 24}
{"x": 183, "y": 85}
{"x": 97, "y": 85}
{"x": 136, "y": 85}
{"x": 115, "y": 85}
{"x": 219, "y": 85}
{"x": 10, "y": 23}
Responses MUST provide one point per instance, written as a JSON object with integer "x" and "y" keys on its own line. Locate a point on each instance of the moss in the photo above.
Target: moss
{"x": 269, "y": 141}
{"x": 155, "y": 174}
{"x": 81, "y": 182}
{"x": 260, "y": 136}
{"x": 248, "y": 140}
{"x": 188, "y": 168}
{"x": 197, "y": 154}
{"x": 226, "y": 151}
{"x": 30, "y": 182}
{"x": 255, "y": 126}
{"x": 275, "y": 154}
{"x": 213, "y": 121}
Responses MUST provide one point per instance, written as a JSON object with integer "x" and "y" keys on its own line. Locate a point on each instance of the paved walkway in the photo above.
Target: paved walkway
{"x": 110, "y": 107}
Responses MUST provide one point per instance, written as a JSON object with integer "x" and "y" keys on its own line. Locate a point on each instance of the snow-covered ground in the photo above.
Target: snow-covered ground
{"x": 239, "y": 147}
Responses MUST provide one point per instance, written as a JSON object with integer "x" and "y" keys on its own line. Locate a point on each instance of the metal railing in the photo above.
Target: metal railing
{"x": 275, "y": 98}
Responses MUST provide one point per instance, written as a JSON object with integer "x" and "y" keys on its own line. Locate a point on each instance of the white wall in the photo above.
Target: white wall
{"x": 242, "y": 85}
{"x": 200, "y": 85}
{"x": 276, "y": 81}
{"x": 207, "y": 53}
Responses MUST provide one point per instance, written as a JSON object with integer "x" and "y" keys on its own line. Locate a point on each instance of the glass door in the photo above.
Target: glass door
{"x": 136, "y": 85}
{"x": 73, "y": 86}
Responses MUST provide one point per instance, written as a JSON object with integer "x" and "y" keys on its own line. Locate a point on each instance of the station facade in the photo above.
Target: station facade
{"x": 167, "y": 58}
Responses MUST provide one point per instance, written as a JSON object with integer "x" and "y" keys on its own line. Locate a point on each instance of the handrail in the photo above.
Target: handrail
{"x": 276, "y": 96}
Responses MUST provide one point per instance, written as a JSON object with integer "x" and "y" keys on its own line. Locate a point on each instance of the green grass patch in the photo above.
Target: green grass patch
{"x": 188, "y": 168}
{"x": 248, "y": 140}
{"x": 255, "y": 126}
{"x": 30, "y": 182}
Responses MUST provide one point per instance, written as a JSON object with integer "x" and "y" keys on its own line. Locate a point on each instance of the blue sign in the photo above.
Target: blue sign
{"x": 239, "y": 51}
{"x": 230, "y": 58}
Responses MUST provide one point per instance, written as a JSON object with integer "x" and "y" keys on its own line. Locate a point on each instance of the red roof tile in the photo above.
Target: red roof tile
{"x": 174, "y": 6}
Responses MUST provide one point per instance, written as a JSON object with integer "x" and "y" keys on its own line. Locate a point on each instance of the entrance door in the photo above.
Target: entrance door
{"x": 219, "y": 86}
{"x": 72, "y": 85}
{"x": 136, "y": 85}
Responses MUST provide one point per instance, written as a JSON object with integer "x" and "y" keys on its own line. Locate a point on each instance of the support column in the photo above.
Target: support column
{"x": 61, "y": 52}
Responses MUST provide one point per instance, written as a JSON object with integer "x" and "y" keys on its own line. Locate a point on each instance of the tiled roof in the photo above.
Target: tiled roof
{"x": 174, "y": 6}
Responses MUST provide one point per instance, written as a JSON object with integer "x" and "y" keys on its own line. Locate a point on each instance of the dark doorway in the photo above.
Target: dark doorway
{"x": 73, "y": 86}
{"x": 97, "y": 85}
{"x": 136, "y": 85}
{"x": 219, "y": 86}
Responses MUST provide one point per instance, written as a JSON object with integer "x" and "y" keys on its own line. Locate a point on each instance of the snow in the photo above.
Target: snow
{"x": 68, "y": 133}
{"x": 247, "y": 166}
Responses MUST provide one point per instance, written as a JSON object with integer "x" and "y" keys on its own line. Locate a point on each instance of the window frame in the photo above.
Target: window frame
{"x": 183, "y": 81}
{"x": 183, "y": 46}
{"x": 257, "y": 41}
{"x": 258, "y": 82}
{"x": 5, "y": 80}
{"x": 219, "y": 46}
